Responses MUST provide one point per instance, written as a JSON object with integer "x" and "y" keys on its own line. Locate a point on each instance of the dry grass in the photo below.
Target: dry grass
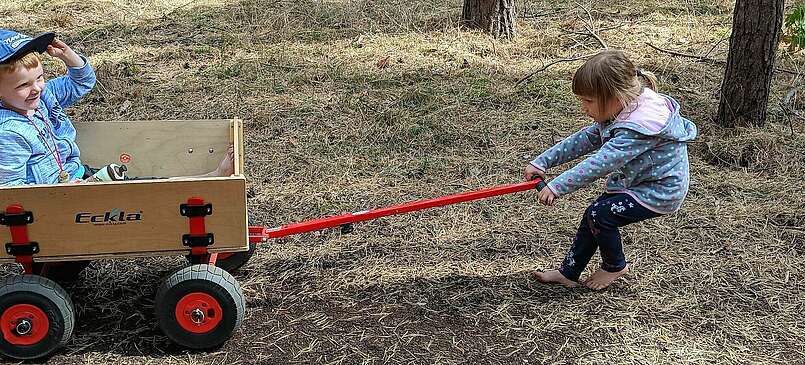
{"x": 327, "y": 131}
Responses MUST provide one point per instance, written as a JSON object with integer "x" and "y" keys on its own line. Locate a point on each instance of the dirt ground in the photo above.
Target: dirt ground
{"x": 328, "y": 130}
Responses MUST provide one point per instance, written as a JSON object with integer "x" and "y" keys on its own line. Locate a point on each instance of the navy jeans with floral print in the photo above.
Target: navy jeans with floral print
{"x": 599, "y": 229}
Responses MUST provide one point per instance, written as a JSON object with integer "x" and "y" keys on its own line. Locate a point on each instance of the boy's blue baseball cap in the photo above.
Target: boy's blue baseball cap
{"x": 14, "y": 45}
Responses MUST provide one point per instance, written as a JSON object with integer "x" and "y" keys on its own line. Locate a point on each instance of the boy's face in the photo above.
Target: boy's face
{"x": 21, "y": 89}
{"x": 594, "y": 109}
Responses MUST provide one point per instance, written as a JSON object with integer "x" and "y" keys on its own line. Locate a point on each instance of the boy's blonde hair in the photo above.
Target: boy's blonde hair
{"x": 610, "y": 74}
{"x": 28, "y": 61}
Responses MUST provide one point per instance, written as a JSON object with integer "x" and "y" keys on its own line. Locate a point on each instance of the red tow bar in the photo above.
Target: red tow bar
{"x": 260, "y": 234}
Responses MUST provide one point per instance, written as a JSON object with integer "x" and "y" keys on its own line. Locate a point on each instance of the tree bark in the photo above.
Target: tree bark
{"x": 756, "y": 27}
{"x": 497, "y": 17}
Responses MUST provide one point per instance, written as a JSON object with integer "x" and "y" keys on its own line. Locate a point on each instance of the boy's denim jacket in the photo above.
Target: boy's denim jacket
{"x": 24, "y": 157}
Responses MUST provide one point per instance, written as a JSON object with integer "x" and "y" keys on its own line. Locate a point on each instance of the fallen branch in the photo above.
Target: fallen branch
{"x": 590, "y": 27}
{"x": 545, "y": 67}
{"x": 688, "y": 55}
{"x": 708, "y": 59}
{"x": 604, "y": 29}
{"x": 714, "y": 46}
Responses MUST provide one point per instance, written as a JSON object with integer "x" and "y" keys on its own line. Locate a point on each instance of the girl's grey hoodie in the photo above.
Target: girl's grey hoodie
{"x": 644, "y": 151}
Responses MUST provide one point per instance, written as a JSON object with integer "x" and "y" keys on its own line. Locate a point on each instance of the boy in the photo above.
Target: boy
{"x": 37, "y": 139}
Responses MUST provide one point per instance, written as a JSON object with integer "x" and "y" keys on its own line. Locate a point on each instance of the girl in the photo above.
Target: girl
{"x": 640, "y": 141}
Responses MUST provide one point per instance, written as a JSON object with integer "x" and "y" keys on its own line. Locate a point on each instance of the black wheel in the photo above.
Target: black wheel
{"x": 36, "y": 317}
{"x": 61, "y": 272}
{"x": 200, "y": 306}
{"x": 233, "y": 261}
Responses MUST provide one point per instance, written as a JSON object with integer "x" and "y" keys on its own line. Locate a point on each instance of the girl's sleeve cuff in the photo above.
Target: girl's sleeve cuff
{"x": 553, "y": 189}
{"x": 538, "y": 167}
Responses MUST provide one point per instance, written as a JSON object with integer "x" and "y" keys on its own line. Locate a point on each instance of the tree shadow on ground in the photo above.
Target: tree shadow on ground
{"x": 116, "y": 315}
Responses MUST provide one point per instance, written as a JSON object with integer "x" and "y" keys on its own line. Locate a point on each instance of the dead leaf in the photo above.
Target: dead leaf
{"x": 384, "y": 62}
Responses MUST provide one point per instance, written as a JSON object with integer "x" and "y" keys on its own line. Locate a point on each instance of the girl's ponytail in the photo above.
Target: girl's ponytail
{"x": 648, "y": 78}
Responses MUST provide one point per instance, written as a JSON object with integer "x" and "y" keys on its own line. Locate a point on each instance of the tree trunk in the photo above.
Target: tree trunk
{"x": 756, "y": 27}
{"x": 493, "y": 16}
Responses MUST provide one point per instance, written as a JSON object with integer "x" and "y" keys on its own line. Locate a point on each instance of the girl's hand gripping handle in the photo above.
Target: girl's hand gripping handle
{"x": 531, "y": 173}
{"x": 540, "y": 184}
{"x": 546, "y": 196}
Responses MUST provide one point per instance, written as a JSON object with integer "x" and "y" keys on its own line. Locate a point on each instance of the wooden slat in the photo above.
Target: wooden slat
{"x": 57, "y": 208}
{"x": 156, "y": 148}
{"x": 237, "y": 138}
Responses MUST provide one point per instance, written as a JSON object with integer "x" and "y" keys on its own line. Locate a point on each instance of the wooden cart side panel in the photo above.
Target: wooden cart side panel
{"x": 127, "y": 218}
{"x": 237, "y": 138}
{"x": 156, "y": 148}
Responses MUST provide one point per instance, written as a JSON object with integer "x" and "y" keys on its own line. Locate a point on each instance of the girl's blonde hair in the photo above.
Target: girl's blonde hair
{"x": 28, "y": 61}
{"x": 610, "y": 74}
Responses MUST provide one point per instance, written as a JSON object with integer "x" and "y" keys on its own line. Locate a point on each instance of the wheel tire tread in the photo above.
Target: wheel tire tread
{"x": 49, "y": 290}
{"x": 208, "y": 273}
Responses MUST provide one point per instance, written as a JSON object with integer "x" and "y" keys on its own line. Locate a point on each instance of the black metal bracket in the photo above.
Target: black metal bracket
{"x": 347, "y": 228}
{"x": 22, "y": 249}
{"x": 195, "y": 210}
{"x": 198, "y": 241}
{"x": 16, "y": 219}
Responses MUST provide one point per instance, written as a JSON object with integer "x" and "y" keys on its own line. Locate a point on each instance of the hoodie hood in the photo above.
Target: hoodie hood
{"x": 654, "y": 114}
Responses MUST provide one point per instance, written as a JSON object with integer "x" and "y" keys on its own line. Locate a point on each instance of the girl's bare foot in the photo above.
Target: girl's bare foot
{"x": 602, "y": 278}
{"x": 554, "y": 276}
{"x": 227, "y": 165}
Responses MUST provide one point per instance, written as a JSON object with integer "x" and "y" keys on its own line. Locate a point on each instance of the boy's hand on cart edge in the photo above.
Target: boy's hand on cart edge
{"x": 63, "y": 52}
{"x": 546, "y": 196}
{"x": 531, "y": 173}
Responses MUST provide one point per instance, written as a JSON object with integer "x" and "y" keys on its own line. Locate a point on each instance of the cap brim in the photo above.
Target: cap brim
{"x": 39, "y": 44}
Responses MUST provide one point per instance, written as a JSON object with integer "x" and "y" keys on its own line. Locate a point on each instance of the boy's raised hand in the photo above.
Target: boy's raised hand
{"x": 63, "y": 52}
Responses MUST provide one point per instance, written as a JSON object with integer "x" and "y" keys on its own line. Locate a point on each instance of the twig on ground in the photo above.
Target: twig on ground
{"x": 545, "y": 67}
{"x": 708, "y": 59}
{"x": 687, "y": 55}
{"x": 714, "y": 46}
{"x": 590, "y": 27}
{"x": 604, "y": 29}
